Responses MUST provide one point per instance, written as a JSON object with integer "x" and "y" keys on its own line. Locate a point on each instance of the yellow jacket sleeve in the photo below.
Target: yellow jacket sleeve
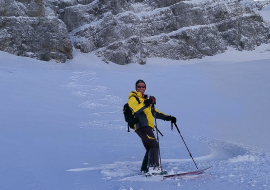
{"x": 135, "y": 106}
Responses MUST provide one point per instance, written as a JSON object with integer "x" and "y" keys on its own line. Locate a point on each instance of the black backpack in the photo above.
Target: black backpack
{"x": 129, "y": 117}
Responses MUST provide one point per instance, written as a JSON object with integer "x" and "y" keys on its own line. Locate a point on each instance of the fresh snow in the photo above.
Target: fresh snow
{"x": 62, "y": 127}
{"x": 265, "y": 13}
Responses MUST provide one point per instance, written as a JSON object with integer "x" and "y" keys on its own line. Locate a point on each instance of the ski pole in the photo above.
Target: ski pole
{"x": 154, "y": 113}
{"x": 186, "y": 145}
{"x": 158, "y": 129}
{"x": 157, "y": 136}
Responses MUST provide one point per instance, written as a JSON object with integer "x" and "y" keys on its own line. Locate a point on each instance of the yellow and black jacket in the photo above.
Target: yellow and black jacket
{"x": 144, "y": 114}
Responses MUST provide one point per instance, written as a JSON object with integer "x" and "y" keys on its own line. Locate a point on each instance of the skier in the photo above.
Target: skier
{"x": 144, "y": 111}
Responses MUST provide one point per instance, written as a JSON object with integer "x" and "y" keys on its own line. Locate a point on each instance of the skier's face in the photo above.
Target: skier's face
{"x": 140, "y": 88}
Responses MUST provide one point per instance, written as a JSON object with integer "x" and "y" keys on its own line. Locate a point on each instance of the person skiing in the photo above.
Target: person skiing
{"x": 144, "y": 111}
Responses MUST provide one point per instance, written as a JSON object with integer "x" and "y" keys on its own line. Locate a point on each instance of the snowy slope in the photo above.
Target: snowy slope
{"x": 61, "y": 125}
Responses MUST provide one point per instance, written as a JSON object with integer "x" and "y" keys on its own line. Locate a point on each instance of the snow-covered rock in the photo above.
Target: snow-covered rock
{"x": 31, "y": 8}
{"x": 28, "y": 29}
{"x": 129, "y": 31}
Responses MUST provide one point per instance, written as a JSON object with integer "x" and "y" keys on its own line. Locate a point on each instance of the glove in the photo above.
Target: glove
{"x": 171, "y": 118}
{"x": 147, "y": 102}
{"x": 153, "y": 99}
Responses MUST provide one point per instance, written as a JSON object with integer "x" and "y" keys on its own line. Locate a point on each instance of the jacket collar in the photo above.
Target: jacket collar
{"x": 138, "y": 94}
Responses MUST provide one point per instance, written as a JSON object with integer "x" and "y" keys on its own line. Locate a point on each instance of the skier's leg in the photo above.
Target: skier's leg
{"x": 153, "y": 157}
{"x": 151, "y": 145}
{"x": 144, "y": 167}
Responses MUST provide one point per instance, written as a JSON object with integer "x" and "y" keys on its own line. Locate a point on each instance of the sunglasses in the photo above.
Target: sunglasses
{"x": 140, "y": 86}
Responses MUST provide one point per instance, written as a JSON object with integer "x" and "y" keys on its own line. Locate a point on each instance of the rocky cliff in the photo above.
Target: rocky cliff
{"x": 129, "y": 31}
{"x": 26, "y": 30}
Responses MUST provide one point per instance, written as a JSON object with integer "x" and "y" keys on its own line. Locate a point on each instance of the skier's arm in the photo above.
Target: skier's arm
{"x": 135, "y": 106}
{"x": 160, "y": 115}
{"x": 165, "y": 117}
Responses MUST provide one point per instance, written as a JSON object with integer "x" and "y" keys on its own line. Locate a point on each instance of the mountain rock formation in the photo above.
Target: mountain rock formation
{"x": 26, "y": 31}
{"x": 129, "y": 31}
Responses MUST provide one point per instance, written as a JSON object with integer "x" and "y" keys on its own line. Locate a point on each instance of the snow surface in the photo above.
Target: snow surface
{"x": 265, "y": 13}
{"x": 62, "y": 127}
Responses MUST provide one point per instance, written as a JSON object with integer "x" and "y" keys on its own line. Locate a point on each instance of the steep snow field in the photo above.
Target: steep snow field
{"x": 62, "y": 127}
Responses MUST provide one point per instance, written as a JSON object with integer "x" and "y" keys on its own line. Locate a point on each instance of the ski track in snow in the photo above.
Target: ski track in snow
{"x": 230, "y": 162}
{"x": 98, "y": 99}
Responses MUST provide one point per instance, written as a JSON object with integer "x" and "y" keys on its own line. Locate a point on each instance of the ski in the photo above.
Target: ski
{"x": 197, "y": 172}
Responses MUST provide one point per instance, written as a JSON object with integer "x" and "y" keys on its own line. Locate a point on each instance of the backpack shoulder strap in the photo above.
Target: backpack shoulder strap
{"x": 136, "y": 98}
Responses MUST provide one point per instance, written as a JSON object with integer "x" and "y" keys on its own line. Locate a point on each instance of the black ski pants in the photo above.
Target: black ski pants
{"x": 150, "y": 143}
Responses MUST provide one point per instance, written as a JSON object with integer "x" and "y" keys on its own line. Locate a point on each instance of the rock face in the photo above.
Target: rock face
{"x": 26, "y": 31}
{"x": 129, "y": 31}
{"x": 124, "y": 31}
{"x": 31, "y": 8}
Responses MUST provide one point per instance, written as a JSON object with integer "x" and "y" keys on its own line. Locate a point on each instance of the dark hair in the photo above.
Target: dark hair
{"x": 139, "y": 81}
